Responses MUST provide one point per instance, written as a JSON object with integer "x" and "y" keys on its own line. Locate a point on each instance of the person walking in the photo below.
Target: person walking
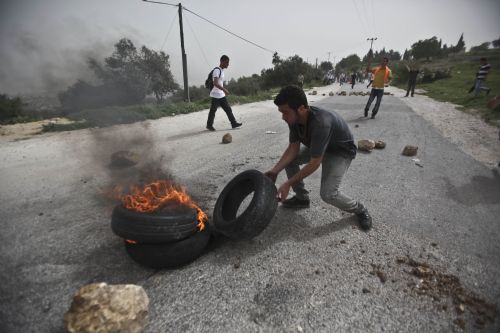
{"x": 382, "y": 76}
{"x": 218, "y": 95}
{"x": 412, "y": 80}
{"x": 300, "y": 80}
{"x": 327, "y": 141}
{"x": 353, "y": 80}
{"x": 370, "y": 75}
{"x": 480, "y": 78}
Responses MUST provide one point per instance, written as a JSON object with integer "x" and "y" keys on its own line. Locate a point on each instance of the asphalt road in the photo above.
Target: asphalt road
{"x": 309, "y": 271}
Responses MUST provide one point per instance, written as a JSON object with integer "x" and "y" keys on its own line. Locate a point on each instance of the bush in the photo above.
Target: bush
{"x": 436, "y": 74}
{"x": 245, "y": 86}
{"x": 82, "y": 95}
{"x": 10, "y": 109}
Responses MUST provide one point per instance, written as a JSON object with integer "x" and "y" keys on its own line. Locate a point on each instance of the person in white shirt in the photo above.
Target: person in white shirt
{"x": 218, "y": 94}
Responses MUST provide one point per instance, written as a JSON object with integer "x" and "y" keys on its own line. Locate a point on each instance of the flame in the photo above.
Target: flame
{"x": 156, "y": 195}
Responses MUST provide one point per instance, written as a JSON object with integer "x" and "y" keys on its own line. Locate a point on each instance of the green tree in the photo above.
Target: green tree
{"x": 460, "y": 44}
{"x": 391, "y": 55}
{"x": 10, "y": 108}
{"x": 426, "y": 48}
{"x": 407, "y": 55}
{"x": 286, "y": 71}
{"x": 326, "y": 66}
{"x": 480, "y": 48}
{"x": 127, "y": 76}
{"x": 349, "y": 63}
{"x": 156, "y": 66}
{"x": 496, "y": 43}
{"x": 122, "y": 73}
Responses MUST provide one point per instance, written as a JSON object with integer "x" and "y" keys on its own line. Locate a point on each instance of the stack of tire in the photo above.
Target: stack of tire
{"x": 173, "y": 240}
{"x": 160, "y": 241}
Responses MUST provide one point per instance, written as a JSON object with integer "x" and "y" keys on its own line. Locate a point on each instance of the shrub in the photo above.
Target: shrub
{"x": 10, "y": 108}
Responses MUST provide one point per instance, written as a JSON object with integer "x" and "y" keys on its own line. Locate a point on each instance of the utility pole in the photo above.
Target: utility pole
{"x": 184, "y": 58}
{"x": 371, "y": 39}
{"x": 329, "y": 56}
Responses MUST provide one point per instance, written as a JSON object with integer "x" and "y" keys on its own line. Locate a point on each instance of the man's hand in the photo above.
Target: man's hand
{"x": 225, "y": 91}
{"x": 283, "y": 191}
{"x": 272, "y": 175}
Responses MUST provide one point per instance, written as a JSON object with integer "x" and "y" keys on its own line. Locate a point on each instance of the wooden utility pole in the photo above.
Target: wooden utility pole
{"x": 371, "y": 39}
{"x": 184, "y": 58}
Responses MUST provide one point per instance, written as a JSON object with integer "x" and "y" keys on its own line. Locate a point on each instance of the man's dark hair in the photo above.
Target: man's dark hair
{"x": 385, "y": 58}
{"x": 224, "y": 58}
{"x": 483, "y": 59}
{"x": 293, "y": 96}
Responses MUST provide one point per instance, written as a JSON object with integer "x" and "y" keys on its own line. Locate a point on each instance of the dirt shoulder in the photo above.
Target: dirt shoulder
{"x": 472, "y": 135}
{"x": 23, "y": 131}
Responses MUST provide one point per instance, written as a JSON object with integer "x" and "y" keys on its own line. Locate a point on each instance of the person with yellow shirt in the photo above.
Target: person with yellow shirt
{"x": 382, "y": 76}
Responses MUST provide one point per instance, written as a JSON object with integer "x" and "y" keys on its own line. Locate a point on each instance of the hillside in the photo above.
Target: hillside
{"x": 455, "y": 89}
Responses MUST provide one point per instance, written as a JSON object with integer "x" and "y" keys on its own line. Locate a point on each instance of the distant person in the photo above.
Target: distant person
{"x": 218, "y": 95}
{"x": 412, "y": 80}
{"x": 371, "y": 80}
{"x": 300, "y": 81}
{"x": 353, "y": 80}
{"x": 382, "y": 76}
{"x": 327, "y": 142}
{"x": 480, "y": 78}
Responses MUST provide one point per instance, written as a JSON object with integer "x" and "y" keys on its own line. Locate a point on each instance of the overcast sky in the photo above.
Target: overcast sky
{"x": 44, "y": 43}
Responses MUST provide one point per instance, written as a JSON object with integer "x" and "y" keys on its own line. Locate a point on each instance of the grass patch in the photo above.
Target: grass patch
{"x": 108, "y": 116}
{"x": 455, "y": 89}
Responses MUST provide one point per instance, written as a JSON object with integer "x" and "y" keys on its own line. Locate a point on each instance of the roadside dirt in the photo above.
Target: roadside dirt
{"x": 471, "y": 134}
{"x": 24, "y": 131}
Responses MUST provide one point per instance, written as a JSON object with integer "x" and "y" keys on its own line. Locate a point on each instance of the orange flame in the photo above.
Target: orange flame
{"x": 156, "y": 195}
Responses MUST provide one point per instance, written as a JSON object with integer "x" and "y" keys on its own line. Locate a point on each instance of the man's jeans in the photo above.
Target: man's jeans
{"x": 478, "y": 86}
{"x": 374, "y": 93}
{"x": 216, "y": 102}
{"x": 333, "y": 169}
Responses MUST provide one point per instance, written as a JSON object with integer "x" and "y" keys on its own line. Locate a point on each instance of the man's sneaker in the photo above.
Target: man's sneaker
{"x": 210, "y": 128}
{"x": 295, "y": 202}
{"x": 365, "y": 220}
{"x": 236, "y": 125}
{"x": 366, "y": 113}
{"x": 373, "y": 116}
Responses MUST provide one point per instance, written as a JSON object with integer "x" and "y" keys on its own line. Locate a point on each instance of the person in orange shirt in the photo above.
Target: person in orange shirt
{"x": 382, "y": 76}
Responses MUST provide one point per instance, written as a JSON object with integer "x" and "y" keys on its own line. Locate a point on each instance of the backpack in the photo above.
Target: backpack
{"x": 209, "y": 82}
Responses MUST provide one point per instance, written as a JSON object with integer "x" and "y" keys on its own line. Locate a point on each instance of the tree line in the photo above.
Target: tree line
{"x": 130, "y": 74}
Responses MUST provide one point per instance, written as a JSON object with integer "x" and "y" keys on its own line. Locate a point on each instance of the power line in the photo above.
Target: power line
{"x": 373, "y": 19}
{"x": 218, "y": 26}
{"x": 197, "y": 41}
{"x": 365, "y": 12}
{"x": 163, "y": 3}
{"x": 168, "y": 33}
{"x": 359, "y": 16}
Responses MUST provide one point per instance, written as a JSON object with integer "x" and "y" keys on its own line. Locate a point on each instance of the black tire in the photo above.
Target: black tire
{"x": 169, "y": 255}
{"x": 256, "y": 216}
{"x": 152, "y": 228}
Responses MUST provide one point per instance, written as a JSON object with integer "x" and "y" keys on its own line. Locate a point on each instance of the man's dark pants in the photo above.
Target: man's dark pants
{"x": 222, "y": 102}
{"x": 378, "y": 93}
{"x": 411, "y": 86}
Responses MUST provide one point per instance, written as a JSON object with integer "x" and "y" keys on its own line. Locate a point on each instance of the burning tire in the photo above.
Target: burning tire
{"x": 153, "y": 228}
{"x": 169, "y": 255}
{"x": 256, "y": 217}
